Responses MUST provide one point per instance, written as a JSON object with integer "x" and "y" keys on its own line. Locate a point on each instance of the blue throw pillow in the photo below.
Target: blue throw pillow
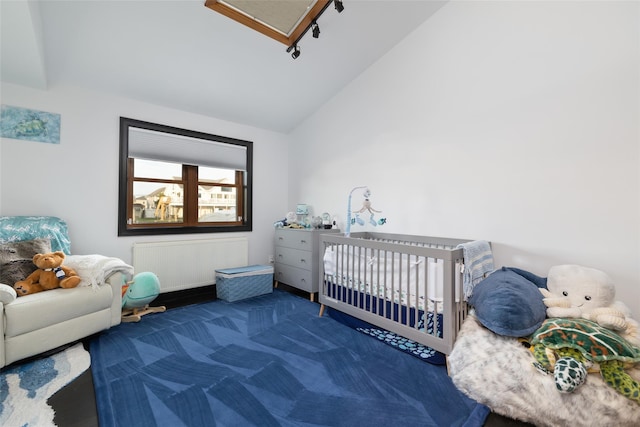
{"x": 508, "y": 304}
{"x": 540, "y": 282}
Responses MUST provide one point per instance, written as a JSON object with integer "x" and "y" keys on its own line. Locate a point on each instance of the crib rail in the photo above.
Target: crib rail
{"x": 396, "y": 282}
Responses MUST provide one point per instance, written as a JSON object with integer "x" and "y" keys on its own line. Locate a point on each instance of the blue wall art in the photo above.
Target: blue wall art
{"x": 31, "y": 125}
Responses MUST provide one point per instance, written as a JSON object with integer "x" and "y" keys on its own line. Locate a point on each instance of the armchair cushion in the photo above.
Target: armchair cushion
{"x": 43, "y": 309}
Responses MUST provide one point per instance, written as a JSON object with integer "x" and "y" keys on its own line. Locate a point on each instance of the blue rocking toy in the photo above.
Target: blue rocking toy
{"x": 137, "y": 294}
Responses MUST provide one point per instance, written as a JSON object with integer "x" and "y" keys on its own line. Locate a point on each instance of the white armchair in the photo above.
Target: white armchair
{"x": 39, "y": 322}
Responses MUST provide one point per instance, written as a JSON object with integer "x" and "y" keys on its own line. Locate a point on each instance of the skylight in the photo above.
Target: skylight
{"x": 282, "y": 20}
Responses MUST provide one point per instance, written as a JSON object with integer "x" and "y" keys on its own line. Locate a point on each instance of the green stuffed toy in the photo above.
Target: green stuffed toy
{"x": 569, "y": 347}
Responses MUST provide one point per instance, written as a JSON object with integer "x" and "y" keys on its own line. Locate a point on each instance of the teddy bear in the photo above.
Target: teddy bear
{"x": 576, "y": 291}
{"x": 50, "y": 274}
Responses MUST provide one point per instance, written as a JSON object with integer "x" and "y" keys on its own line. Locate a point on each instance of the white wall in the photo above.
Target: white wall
{"x": 78, "y": 179}
{"x": 514, "y": 122}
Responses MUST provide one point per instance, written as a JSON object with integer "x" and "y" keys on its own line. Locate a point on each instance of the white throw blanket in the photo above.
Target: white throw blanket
{"x": 95, "y": 269}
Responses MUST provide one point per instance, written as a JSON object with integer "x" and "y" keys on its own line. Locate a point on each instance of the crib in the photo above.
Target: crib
{"x": 396, "y": 282}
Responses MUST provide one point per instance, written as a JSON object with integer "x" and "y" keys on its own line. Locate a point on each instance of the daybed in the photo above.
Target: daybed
{"x": 43, "y": 321}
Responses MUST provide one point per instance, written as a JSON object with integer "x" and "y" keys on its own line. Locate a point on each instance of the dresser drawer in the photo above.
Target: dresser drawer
{"x": 295, "y": 239}
{"x": 294, "y": 257}
{"x": 296, "y": 277}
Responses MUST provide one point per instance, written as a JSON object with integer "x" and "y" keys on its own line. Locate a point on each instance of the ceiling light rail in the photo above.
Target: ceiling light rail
{"x": 315, "y": 28}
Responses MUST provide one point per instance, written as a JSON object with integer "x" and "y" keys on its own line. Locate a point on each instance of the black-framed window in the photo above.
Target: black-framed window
{"x": 178, "y": 181}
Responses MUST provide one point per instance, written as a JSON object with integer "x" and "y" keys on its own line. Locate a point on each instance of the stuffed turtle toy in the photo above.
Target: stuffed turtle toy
{"x": 568, "y": 347}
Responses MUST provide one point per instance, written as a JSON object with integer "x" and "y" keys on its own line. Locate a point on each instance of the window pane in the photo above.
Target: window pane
{"x": 155, "y": 169}
{"x": 156, "y": 202}
{"x": 216, "y": 204}
{"x": 216, "y": 176}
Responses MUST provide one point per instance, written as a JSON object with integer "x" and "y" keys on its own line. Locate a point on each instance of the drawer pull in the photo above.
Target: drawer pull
{"x": 303, "y": 241}
{"x": 302, "y": 260}
{"x": 280, "y": 238}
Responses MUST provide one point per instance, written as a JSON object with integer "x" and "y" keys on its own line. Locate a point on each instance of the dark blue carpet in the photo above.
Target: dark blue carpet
{"x": 265, "y": 361}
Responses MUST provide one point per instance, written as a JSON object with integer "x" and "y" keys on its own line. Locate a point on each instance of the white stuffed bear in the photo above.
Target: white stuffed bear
{"x": 576, "y": 291}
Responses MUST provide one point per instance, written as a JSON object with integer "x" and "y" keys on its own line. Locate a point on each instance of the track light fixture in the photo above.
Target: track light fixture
{"x": 313, "y": 26}
{"x": 296, "y": 52}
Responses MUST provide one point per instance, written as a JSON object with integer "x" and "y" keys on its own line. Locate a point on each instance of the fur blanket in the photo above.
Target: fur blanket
{"x": 498, "y": 372}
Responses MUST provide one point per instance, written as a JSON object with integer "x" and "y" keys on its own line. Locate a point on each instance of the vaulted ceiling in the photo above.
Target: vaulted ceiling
{"x": 183, "y": 55}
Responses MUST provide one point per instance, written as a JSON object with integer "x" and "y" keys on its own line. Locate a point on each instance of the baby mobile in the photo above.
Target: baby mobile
{"x": 366, "y": 207}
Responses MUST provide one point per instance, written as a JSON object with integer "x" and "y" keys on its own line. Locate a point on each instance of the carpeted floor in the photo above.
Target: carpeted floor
{"x": 265, "y": 361}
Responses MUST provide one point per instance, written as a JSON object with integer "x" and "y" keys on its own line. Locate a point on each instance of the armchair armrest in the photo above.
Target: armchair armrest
{"x": 116, "y": 281}
{"x": 2, "y": 356}
{"x": 7, "y": 295}
{"x": 98, "y": 270}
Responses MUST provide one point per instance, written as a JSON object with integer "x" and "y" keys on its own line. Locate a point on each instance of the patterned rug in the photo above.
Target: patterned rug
{"x": 401, "y": 343}
{"x": 25, "y": 388}
{"x": 265, "y": 361}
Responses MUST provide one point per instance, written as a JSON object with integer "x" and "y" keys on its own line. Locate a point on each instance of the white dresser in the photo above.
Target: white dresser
{"x": 297, "y": 258}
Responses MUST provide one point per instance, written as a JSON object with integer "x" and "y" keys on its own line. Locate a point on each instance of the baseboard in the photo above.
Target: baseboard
{"x": 185, "y": 297}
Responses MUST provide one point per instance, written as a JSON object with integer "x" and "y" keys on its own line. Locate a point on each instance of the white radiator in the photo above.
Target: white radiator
{"x": 189, "y": 263}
